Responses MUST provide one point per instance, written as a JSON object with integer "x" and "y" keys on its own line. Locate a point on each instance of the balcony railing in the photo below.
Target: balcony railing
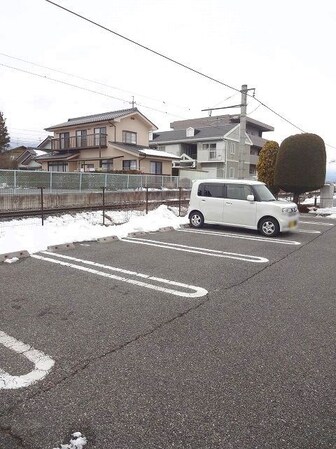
{"x": 79, "y": 142}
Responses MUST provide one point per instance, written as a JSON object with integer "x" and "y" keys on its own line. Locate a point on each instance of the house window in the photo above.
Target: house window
{"x": 230, "y": 147}
{"x": 130, "y": 165}
{"x": 156, "y": 168}
{"x": 107, "y": 164}
{"x": 100, "y": 136}
{"x": 87, "y": 167}
{"x": 64, "y": 140}
{"x": 231, "y": 172}
{"x": 211, "y": 148}
{"x": 129, "y": 137}
{"x": 58, "y": 166}
{"x": 81, "y": 138}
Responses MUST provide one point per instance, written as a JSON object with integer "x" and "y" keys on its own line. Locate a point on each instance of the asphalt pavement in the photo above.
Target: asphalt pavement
{"x": 210, "y": 339}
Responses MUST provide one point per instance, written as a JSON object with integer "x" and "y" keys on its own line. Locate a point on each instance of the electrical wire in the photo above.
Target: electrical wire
{"x": 87, "y": 89}
{"x": 175, "y": 62}
{"x": 93, "y": 81}
{"x": 143, "y": 46}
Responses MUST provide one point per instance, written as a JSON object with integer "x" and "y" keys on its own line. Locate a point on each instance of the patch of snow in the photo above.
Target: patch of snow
{"x": 78, "y": 441}
{"x": 29, "y": 234}
{"x": 159, "y": 153}
{"x": 12, "y": 260}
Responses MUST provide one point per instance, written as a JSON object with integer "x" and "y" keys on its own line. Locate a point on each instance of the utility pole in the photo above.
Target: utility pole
{"x": 242, "y": 127}
{"x": 242, "y": 132}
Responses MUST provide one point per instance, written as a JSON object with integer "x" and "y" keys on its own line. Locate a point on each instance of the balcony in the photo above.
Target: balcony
{"x": 79, "y": 143}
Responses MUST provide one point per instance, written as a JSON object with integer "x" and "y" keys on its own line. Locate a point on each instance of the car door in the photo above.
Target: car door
{"x": 211, "y": 201}
{"x": 238, "y": 210}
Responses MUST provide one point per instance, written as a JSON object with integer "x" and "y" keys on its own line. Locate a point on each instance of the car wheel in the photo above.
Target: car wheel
{"x": 196, "y": 219}
{"x": 269, "y": 227}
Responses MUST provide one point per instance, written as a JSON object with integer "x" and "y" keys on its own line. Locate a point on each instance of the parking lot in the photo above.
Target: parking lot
{"x": 210, "y": 338}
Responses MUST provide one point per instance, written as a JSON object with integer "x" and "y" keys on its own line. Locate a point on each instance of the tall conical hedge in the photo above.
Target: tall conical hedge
{"x": 301, "y": 164}
{"x": 266, "y": 164}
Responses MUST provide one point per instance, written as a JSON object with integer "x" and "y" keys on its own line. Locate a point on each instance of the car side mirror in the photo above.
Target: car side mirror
{"x": 250, "y": 198}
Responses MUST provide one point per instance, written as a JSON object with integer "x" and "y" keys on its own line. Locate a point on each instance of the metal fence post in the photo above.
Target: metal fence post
{"x": 42, "y": 207}
{"x": 180, "y": 197}
{"x": 14, "y": 179}
{"x": 80, "y": 181}
{"x": 50, "y": 181}
{"x": 146, "y": 199}
{"x": 103, "y": 206}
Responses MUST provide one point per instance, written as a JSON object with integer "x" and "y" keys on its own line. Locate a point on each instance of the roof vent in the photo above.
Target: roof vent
{"x": 190, "y": 132}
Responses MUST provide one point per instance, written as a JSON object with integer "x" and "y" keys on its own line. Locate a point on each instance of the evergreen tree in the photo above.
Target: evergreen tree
{"x": 301, "y": 164}
{"x": 4, "y": 137}
{"x": 266, "y": 165}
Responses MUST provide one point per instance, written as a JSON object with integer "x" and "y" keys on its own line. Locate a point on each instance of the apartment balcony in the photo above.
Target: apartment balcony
{"x": 254, "y": 159}
{"x": 79, "y": 143}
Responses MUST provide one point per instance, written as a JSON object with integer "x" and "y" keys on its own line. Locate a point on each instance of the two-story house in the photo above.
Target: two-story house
{"x": 117, "y": 140}
{"x": 212, "y": 144}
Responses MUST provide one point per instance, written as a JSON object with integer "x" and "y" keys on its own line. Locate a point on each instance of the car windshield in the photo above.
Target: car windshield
{"x": 263, "y": 193}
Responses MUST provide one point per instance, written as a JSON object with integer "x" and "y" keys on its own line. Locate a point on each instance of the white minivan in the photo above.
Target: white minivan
{"x": 240, "y": 203}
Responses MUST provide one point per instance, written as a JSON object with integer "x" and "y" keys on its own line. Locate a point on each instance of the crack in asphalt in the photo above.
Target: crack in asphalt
{"x": 7, "y": 430}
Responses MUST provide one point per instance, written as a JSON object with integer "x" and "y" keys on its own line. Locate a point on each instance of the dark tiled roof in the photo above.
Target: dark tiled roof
{"x": 97, "y": 118}
{"x": 202, "y": 133}
{"x": 56, "y": 157}
{"x": 218, "y": 120}
{"x": 129, "y": 147}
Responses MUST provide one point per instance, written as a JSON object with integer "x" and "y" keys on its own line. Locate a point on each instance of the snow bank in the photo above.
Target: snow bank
{"x": 28, "y": 234}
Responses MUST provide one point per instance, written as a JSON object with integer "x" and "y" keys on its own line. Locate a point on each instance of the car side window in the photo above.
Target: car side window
{"x": 238, "y": 191}
{"x": 211, "y": 190}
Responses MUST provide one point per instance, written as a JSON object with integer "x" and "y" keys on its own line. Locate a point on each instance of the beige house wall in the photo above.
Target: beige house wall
{"x": 114, "y": 132}
{"x": 134, "y": 125}
{"x": 145, "y": 166}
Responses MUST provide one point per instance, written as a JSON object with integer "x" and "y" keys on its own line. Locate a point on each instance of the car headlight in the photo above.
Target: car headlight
{"x": 289, "y": 210}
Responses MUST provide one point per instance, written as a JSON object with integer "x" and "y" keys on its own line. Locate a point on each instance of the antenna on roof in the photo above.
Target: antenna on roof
{"x": 133, "y": 102}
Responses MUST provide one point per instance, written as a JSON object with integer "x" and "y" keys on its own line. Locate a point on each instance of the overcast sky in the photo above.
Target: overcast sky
{"x": 284, "y": 49}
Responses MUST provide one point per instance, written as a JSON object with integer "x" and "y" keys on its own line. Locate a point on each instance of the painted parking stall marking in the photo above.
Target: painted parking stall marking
{"x": 317, "y": 223}
{"x": 153, "y": 283}
{"x": 42, "y": 364}
{"x": 308, "y": 231}
{"x": 243, "y": 237}
{"x": 197, "y": 250}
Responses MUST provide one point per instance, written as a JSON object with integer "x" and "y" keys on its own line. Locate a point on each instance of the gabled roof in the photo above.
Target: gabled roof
{"x": 106, "y": 116}
{"x": 178, "y": 135}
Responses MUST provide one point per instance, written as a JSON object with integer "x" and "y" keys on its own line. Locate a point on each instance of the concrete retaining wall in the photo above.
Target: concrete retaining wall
{"x": 32, "y": 201}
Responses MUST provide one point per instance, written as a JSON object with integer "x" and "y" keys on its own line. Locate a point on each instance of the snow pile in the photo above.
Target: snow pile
{"x": 29, "y": 234}
{"x": 78, "y": 441}
{"x": 329, "y": 211}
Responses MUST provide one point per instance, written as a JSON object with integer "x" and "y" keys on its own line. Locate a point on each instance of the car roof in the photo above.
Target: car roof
{"x": 230, "y": 181}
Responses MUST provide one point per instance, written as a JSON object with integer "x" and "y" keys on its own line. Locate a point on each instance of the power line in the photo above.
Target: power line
{"x": 174, "y": 61}
{"x": 86, "y": 89}
{"x": 144, "y": 46}
{"x": 92, "y": 81}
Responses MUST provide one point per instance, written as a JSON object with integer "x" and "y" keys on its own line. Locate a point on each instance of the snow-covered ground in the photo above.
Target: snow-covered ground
{"x": 28, "y": 234}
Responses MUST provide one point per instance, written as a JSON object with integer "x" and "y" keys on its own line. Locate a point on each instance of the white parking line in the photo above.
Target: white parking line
{"x": 43, "y": 364}
{"x": 196, "y": 292}
{"x": 308, "y": 231}
{"x": 243, "y": 237}
{"x": 317, "y": 223}
{"x": 196, "y": 250}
